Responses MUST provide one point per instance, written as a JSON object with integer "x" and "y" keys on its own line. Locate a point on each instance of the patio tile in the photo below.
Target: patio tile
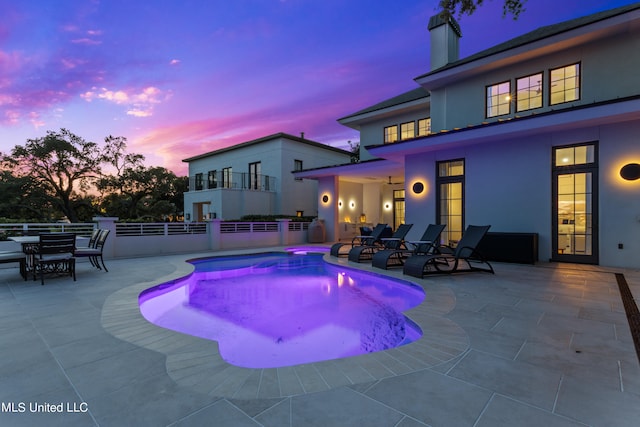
{"x": 111, "y": 373}
{"x": 220, "y": 414}
{"x": 340, "y": 407}
{"x": 503, "y": 411}
{"x": 432, "y": 398}
{"x": 531, "y": 384}
{"x": 152, "y": 401}
{"x": 597, "y": 404}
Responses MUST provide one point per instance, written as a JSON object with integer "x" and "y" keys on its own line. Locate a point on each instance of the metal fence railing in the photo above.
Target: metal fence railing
{"x": 33, "y": 229}
{"x": 160, "y": 228}
{"x": 249, "y": 227}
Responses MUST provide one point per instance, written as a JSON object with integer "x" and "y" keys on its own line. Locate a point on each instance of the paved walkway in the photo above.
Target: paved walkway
{"x": 533, "y": 345}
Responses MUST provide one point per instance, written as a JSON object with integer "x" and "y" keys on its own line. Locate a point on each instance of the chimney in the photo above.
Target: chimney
{"x": 445, "y": 35}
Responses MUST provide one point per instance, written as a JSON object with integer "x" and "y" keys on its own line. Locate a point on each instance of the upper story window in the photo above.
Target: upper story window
{"x": 255, "y": 172}
{"x": 408, "y": 130}
{"x": 227, "y": 177}
{"x": 212, "y": 179}
{"x": 198, "y": 183}
{"x": 499, "y": 99}
{"x": 390, "y": 134}
{"x": 565, "y": 84}
{"x": 529, "y": 92}
{"x": 424, "y": 126}
{"x": 297, "y": 166}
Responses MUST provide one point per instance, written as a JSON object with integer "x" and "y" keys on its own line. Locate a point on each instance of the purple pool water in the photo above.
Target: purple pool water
{"x": 280, "y": 309}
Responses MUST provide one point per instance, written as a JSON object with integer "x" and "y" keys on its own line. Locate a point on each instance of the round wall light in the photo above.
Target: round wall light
{"x": 387, "y": 206}
{"x": 340, "y": 203}
{"x": 418, "y": 188}
{"x": 630, "y": 171}
{"x": 352, "y": 204}
{"x": 325, "y": 199}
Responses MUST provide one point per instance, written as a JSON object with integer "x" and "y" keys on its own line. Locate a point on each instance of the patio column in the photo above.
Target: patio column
{"x": 328, "y": 192}
{"x": 215, "y": 242}
{"x": 284, "y": 230}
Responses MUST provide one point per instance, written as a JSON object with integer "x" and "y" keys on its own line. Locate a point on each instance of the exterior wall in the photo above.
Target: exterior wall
{"x": 508, "y": 185}
{"x": 619, "y": 201}
{"x": 276, "y": 158}
{"x": 350, "y": 202}
{"x": 372, "y": 133}
{"x": 462, "y": 103}
{"x": 300, "y": 195}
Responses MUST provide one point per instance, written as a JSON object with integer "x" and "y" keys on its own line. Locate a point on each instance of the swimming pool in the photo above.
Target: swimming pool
{"x": 281, "y": 309}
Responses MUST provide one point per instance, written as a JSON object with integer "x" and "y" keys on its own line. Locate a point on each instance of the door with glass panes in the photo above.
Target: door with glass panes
{"x": 575, "y": 202}
{"x": 450, "y": 200}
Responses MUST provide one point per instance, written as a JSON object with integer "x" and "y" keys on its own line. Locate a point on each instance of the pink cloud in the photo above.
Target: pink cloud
{"x": 140, "y": 103}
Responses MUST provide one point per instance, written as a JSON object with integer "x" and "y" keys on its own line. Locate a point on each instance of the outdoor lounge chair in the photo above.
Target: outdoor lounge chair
{"x": 95, "y": 252}
{"x": 450, "y": 260}
{"x": 55, "y": 255}
{"x": 427, "y": 245}
{"x": 396, "y": 241}
{"x": 361, "y": 240}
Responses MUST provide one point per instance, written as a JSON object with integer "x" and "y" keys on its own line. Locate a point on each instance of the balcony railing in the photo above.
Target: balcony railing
{"x": 235, "y": 180}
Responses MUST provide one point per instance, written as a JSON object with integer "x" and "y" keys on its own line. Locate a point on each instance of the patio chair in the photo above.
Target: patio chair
{"x": 95, "y": 252}
{"x": 396, "y": 241}
{"x": 361, "y": 240}
{"x": 450, "y": 260}
{"x": 427, "y": 245}
{"x": 55, "y": 255}
{"x": 15, "y": 256}
{"x": 92, "y": 240}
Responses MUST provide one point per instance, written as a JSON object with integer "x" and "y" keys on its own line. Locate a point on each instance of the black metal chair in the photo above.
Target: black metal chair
{"x": 55, "y": 255}
{"x": 362, "y": 240}
{"x": 366, "y": 252}
{"x": 450, "y": 261}
{"x": 427, "y": 245}
{"x": 94, "y": 252}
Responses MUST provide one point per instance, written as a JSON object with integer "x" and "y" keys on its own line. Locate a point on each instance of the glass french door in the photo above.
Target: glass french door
{"x": 575, "y": 216}
{"x": 450, "y": 200}
{"x": 398, "y": 208}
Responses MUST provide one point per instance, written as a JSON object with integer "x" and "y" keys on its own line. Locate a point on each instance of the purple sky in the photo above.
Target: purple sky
{"x": 183, "y": 77}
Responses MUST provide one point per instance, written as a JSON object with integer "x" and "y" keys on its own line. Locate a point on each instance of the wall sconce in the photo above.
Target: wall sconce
{"x": 630, "y": 172}
{"x": 352, "y": 205}
{"x": 325, "y": 199}
{"x": 387, "y": 206}
{"x": 340, "y": 203}
{"x": 418, "y": 188}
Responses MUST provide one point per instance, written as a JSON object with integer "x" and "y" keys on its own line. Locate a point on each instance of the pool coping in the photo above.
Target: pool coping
{"x": 196, "y": 363}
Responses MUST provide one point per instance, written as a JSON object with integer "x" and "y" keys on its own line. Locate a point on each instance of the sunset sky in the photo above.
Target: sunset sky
{"x": 182, "y": 77}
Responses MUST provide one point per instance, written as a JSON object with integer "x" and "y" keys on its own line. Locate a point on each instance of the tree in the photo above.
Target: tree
{"x": 140, "y": 191}
{"x": 468, "y": 7}
{"x": 22, "y": 198}
{"x": 61, "y": 163}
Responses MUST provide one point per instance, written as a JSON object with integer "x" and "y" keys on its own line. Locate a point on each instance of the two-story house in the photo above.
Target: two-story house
{"x": 255, "y": 178}
{"x": 539, "y": 134}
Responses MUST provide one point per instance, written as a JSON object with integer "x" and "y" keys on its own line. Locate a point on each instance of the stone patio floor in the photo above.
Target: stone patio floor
{"x": 548, "y": 345}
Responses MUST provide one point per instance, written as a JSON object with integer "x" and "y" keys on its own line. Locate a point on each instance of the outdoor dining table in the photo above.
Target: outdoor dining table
{"x": 30, "y": 246}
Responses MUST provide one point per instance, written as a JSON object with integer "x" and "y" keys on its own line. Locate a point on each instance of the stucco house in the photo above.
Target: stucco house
{"x": 255, "y": 178}
{"x": 539, "y": 134}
